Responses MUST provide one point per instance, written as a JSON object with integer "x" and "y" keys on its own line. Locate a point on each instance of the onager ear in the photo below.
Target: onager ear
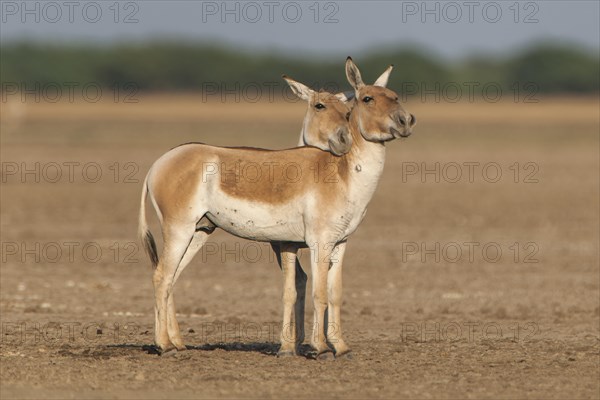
{"x": 345, "y": 96}
{"x": 299, "y": 89}
{"x": 383, "y": 78}
{"x": 353, "y": 74}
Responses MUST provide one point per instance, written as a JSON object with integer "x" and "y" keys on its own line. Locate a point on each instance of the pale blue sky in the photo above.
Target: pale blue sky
{"x": 451, "y": 29}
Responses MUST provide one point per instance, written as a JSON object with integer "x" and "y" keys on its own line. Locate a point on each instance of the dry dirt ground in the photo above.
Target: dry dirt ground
{"x": 460, "y": 283}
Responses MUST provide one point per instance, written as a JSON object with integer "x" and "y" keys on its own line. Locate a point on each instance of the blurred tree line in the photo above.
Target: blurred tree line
{"x": 209, "y": 68}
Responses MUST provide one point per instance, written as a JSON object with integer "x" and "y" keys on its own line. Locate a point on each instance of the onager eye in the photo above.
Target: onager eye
{"x": 319, "y": 106}
{"x": 367, "y": 99}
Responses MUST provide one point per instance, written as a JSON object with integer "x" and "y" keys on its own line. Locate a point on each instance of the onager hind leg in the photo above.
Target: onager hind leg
{"x": 198, "y": 240}
{"x": 177, "y": 239}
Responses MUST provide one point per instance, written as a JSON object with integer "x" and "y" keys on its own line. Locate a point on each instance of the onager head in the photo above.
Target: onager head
{"x": 378, "y": 111}
{"x": 325, "y": 125}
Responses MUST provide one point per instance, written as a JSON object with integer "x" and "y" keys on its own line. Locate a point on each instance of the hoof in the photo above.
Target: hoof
{"x": 168, "y": 352}
{"x": 286, "y": 353}
{"x": 347, "y": 355}
{"x": 181, "y": 347}
{"x": 326, "y": 356}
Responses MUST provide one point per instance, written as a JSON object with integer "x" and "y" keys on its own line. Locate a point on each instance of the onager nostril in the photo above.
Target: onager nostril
{"x": 402, "y": 120}
{"x": 342, "y": 138}
{"x": 413, "y": 120}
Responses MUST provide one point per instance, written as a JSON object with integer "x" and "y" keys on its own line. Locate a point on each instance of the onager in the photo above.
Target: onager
{"x": 196, "y": 188}
{"x": 325, "y": 126}
{"x": 293, "y": 311}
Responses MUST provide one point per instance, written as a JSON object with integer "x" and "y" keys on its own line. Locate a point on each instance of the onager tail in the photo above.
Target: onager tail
{"x": 143, "y": 232}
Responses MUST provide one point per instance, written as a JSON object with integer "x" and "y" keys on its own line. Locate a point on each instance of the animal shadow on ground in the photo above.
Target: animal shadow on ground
{"x": 269, "y": 349}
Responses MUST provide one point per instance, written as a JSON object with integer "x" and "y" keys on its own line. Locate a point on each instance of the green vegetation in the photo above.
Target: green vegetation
{"x": 198, "y": 67}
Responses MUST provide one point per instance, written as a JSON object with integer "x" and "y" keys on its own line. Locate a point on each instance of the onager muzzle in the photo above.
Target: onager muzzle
{"x": 404, "y": 122}
{"x": 341, "y": 142}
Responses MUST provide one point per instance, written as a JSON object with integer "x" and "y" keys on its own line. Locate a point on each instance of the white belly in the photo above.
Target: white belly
{"x": 257, "y": 221}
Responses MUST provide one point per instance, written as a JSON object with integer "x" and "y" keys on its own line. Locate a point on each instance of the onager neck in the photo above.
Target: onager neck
{"x": 365, "y": 163}
{"x": 365, "y": 158}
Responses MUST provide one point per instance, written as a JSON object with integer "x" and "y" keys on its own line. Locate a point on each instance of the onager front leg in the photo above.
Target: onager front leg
{"x": 300, "y": 302}
{"x": 320, "y": 259}
{"x": 334, "y": 312}
{"x": 287, "y": 260}
{"x": 293, "y": 300}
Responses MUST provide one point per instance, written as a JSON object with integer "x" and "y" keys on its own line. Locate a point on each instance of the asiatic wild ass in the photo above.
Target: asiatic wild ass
{"x": 292, "y": 332}
{"x": 325, "y": 126}
{"x": 193, "y": 183}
